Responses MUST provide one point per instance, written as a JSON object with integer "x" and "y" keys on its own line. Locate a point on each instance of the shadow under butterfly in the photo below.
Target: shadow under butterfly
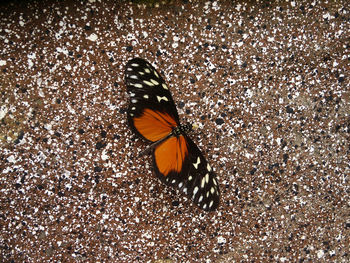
{"x": 152, "y": 115}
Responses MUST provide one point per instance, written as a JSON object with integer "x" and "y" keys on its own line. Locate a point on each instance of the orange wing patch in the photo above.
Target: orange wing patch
{"x": 154, "y": 125}
{"x": 170, "y": 155}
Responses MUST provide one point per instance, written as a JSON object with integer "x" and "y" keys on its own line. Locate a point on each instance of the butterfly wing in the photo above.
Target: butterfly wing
{"x": 152, "y": 112}
{"x": 178, "y": 162}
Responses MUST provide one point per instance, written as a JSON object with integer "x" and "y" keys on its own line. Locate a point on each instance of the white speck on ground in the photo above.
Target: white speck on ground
{"x": 93, "y": 37}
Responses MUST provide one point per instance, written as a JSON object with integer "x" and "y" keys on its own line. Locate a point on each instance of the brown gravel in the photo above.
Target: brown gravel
{"x": 269, "y": 84}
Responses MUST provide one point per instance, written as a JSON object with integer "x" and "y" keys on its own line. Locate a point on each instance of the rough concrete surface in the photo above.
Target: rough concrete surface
{"x": 268, "y": 82}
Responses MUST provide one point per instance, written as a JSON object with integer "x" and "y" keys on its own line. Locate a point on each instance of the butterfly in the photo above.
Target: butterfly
{"x": 153, "y": 116}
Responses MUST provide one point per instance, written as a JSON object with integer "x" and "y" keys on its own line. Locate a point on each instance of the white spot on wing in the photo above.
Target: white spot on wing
{"x": 197, "y": 163}
{"x": 200, "y": 199}
{"x": 135, "y": 65}
{"x": 148, "y": 83}
{"x": 133, "y": 77}
{"x": 159, "y": 98}
{"x": 180, "y": 185}
{"x": 146, "y": 96}
{"x": 147, "y": 70}
{"x": 211, "y": 203}
{"x": 190, "y": 178}
{"x": 208, "y": 167}
{"x": 133, "y": 100}
{"x": 203, "y": 182}
{"x": 204, "y": 206}
{"x": 214, "y": 181}
{"x": 138, "y": 85}
{"x": 164, "y": 86}
{"x": 195, "y": 191}
{"x": 212, "y": 190}
{"x": 206, "y": 178}
{"x": 154, "y": 82}
{"x": 185, "y": 190}
{"x": 173, "y": 181}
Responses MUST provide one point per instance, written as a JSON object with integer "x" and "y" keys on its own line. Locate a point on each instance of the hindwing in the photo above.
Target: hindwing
{"x": 178, "y": 162}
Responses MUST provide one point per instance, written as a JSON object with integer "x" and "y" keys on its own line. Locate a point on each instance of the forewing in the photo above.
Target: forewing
{"x": 178, "y": 162}
{"x": 152, "y": 112}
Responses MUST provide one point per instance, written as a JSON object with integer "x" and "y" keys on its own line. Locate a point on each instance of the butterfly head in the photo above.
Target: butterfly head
{"x": 195, "y": 126}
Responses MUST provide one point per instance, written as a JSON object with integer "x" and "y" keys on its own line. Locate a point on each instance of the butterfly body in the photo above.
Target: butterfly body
{"x": 152, "y": 115}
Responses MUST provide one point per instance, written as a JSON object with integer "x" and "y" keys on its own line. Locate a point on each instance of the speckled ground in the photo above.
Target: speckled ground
{"x": 269, "y": 84}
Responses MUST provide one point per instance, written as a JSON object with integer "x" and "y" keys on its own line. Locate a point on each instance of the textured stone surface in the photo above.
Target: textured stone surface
{"x": 269, "y": 84}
